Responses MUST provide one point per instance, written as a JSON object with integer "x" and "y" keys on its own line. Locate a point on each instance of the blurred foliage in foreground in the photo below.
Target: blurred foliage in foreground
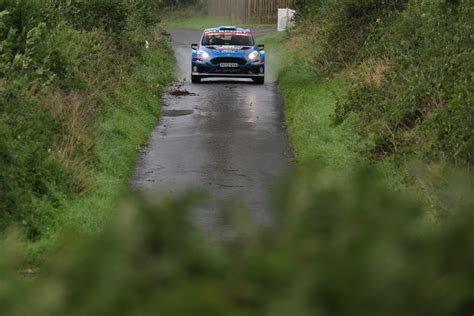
{"x": 355, "y": 249}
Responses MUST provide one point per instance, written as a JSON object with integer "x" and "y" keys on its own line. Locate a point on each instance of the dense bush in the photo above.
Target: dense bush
{"x": 424, "y": 104}
{"x": 335, "y": 250}
{"x": 62, "y": 66}
{"x": 410, "y": 62}
{"x": 28, "y": 170}
{"x": 340, "y": 28}
{"x": 110, "y": 15}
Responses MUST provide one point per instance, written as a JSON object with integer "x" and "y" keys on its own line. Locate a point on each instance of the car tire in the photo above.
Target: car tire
{"x": 259, "y": 80}
{"x": 195, "y": 79}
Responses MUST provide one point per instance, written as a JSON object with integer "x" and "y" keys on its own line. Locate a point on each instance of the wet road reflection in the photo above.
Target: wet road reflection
{"x": 227, "y": 137}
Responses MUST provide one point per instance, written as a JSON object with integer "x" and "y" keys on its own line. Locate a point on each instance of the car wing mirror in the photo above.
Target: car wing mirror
{"x": 261, "y": 47}
{"x": 194, "y": 46}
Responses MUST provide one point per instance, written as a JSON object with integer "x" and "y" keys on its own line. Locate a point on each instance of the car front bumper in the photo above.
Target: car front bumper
{"x": 207, "y": 69}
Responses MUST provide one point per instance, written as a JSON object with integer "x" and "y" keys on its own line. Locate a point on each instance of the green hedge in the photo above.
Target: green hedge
{"x": 63, "y": 68}
{"x": 411, "y": 68}
{"x": 340, "y": 28}
{"x": 423, "y": 107}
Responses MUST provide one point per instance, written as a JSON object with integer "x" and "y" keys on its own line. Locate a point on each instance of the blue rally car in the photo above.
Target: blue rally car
{"x": 228, "y": 51}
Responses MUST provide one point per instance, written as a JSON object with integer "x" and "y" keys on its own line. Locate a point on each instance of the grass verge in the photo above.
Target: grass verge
{"x": 310, "y": 104}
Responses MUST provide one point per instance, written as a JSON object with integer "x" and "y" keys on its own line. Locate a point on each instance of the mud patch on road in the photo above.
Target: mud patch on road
{"x": 180, "y": 93}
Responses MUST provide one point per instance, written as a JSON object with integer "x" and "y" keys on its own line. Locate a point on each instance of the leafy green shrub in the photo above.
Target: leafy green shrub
{"x": 21, "y": 36}
{"x": 144, "y": 12}
{"x": 424, "y": 104}
{"x": 410, "y": 61}
{"x": 340, "y": 28}
{"x": 64, "y": 67}
{"x": 45, "y": 142}
{"x": 335, "y": 250}
{"x": 86, "y": 15}
{"x": 29, "y": 170}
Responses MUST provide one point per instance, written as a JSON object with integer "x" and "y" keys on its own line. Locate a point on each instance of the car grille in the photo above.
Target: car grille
{"x": 237, "y": 60}
{"x": 242, "y": 71}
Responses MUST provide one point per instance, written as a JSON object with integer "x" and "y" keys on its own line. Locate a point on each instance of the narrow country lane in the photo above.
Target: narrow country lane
{"x": 227, "y": 137}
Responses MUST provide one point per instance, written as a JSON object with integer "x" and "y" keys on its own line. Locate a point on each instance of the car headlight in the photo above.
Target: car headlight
{"x": 203, "y": 55}
{"x": 254, "y": 56}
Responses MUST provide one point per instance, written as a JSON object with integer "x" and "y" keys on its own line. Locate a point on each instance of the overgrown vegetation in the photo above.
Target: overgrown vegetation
{"x": 411, "y": 71}
{"x": 355, "y": 248}
{"x": 79, "y": 95}
{"x": 385, "y": 83}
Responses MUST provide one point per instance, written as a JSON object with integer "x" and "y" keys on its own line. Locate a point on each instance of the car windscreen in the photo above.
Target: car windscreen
{"x": 223, "y": 38}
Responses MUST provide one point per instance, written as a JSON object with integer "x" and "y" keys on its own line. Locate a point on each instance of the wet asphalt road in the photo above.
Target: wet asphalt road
{"x": 226, "y": 136}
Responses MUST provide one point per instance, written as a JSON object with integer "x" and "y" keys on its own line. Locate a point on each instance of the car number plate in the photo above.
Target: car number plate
{"x": 229, "y": 65}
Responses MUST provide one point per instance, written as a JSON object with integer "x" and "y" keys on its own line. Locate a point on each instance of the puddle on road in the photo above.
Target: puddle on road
{"x": 175, "y": 113}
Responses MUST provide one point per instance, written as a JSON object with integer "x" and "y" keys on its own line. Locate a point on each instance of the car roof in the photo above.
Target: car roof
{"x": 227, "y": 28}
